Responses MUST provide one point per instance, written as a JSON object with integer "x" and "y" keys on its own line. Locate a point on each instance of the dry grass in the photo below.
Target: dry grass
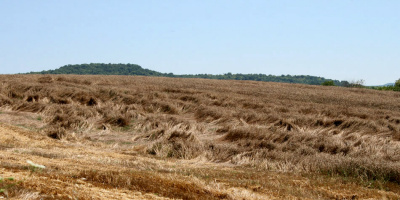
{"x": 269, "y": 129}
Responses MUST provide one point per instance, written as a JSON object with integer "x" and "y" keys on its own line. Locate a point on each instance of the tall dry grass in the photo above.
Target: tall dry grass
{"x": 350, "y": 132}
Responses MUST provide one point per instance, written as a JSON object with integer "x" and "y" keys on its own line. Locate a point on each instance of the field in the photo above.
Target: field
{"x": 132, "y": 137}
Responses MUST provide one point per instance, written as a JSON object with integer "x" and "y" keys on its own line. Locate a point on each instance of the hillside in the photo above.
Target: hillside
{"x": 139, "y": 137}
{"x": 389, "y": 84}
{"x": 102, "y": 69}
{"x": 132, "y": 69}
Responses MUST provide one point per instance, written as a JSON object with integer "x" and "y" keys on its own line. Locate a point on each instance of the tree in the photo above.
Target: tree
{"x": 397, "y": 84}
{"x": 328, "y": 83}
{"x": 345, "y": 84}
{"x": 358, "y": 83}
{"x": 133, "y": 69}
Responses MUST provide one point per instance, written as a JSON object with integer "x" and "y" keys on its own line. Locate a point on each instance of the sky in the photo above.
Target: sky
{"x": 338, "y": 39}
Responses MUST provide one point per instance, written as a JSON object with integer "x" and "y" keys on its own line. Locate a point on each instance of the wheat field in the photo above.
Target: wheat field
{"x": 133, "y": 137}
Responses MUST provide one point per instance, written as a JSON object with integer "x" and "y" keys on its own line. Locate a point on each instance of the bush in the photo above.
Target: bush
{"x": 357, "y": 84}
{"x": 328, "y": 83}
{"x": 344, "y": 84}
{"x": 397, "y": 84}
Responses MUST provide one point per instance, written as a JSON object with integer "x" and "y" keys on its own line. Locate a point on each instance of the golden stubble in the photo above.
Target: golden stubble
{"x": 229, "y": 137}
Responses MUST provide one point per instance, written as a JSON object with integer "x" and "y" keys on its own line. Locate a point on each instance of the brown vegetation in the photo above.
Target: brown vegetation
{"x": 255, "y": 127}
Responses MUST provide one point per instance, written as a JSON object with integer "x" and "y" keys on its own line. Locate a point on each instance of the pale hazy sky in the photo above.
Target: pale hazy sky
{"x": 338, "y": 39}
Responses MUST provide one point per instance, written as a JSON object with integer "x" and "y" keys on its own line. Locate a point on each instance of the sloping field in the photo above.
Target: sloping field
{"x": 129, "y": 137}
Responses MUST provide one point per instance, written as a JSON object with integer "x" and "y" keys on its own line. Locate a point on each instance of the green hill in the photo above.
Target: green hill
{"x": 102, "y": 69}
{"x": 133, "y": 69}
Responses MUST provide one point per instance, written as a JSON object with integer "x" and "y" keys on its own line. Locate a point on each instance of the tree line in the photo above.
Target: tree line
{"x": 134, "y": 69}
{"x": 102, "y": 69}
{"x": 395, "y": 87}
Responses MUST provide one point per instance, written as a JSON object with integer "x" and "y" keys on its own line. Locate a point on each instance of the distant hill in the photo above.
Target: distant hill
{"x": 102, "y": 69}
{"x": 133, "y": 69}
{"x": 389, "y": 84}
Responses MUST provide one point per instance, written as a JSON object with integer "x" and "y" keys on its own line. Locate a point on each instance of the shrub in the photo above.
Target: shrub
{"x": 344, "y": 84}
{"x": 357, "y": 84}
{"x": 328, "y": 83}
{"x": 397, "y": 84}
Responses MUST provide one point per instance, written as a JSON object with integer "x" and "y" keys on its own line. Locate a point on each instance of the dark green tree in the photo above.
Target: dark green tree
{"x": 133, "y": 69}
{"x": 397, "y": 84}
{"x": 328, "y": 83}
